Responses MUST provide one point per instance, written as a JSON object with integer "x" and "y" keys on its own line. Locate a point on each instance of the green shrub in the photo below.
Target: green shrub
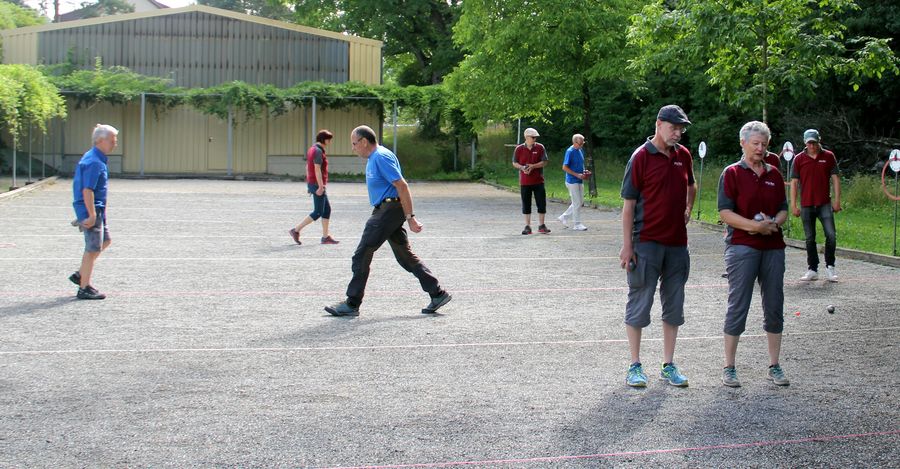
{"x": 864, "y": 192}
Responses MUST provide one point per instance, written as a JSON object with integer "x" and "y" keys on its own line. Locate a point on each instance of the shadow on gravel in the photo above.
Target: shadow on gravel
{"x": 34, "y": 306}
{"x": 624, "y": 420}
{"x": 334, "y": 329}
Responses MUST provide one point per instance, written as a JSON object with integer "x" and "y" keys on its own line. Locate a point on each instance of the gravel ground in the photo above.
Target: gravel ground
{"x": 213, "y": 349}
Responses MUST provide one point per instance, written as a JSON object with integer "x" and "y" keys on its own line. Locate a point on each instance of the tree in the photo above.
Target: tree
{"x": 273, "y": 9}
{"x": 757, "y": 52}
{"x": 106, "y": 8}
{"x": 15, "y": 16}
{"x": 530, "y": 59}
{"x": 417, "y": 32}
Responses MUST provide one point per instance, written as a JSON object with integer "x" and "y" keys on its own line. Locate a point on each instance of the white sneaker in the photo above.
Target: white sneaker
{"x": 810, "y": 275}
{"x": 830, "y": 274}
{"x": 562, "y": 219}
{"x": 579, "y": 227}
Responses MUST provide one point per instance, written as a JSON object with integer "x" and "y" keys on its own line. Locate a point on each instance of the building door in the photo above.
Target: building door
{"x": 216, "y": 144}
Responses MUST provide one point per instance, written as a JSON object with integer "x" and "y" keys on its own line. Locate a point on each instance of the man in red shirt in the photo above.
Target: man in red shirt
{"x": 659, "y": 192}
{"x": 814, "y": 168}
{"x": 529, "y": 159}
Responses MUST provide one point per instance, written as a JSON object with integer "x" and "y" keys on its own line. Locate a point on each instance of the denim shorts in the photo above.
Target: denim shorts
{"x": 95, "y": 237}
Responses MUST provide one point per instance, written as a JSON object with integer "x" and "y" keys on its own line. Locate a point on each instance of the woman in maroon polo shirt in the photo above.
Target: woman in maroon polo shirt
{"x": 316, "y": 180}
{"x": 753, "y": 205}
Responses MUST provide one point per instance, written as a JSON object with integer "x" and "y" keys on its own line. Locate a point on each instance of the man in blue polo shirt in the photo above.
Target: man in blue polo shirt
{"x": 393, "y": 206}
{"x": 89, "y": 187}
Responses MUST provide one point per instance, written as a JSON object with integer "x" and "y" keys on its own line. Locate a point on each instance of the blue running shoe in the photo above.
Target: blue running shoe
{"x": 776, "y": 375}
{"x": 636, "y": 377}
{"x": 671, "y": 374}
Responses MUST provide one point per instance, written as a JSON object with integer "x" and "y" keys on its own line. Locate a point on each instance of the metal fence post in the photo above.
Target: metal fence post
{"x": 30, "y": 127}
{"x": 143, "y": 114}
{"x": 312, "y": 131}
{"x": 44, "y": 154}
{"x": 15, "y": 160}
{"x": 473, "y": 153}
{"x": 230, "y": 141}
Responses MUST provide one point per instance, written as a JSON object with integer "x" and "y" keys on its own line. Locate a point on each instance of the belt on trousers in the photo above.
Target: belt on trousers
{"x": 387, "y": 200}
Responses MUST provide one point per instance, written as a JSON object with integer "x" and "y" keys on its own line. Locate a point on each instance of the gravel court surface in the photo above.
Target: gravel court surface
{"x": 213, "y": 349}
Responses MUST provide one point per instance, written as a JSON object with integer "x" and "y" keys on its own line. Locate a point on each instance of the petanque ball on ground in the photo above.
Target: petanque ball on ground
{"x": 830, "y": 309}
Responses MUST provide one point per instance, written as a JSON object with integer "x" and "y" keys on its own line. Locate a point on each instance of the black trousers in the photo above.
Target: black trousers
{"x": 386, "y": 224}
{"x": 540, "y": 198}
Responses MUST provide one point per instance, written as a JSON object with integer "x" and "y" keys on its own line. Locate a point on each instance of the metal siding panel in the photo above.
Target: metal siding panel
{"x": 287, "y": 132}
{"x": 341, "y": 122}
{"x": 250, "y": 146}
{"x": 80, "y": 123}
{"x": 131, "y": 127}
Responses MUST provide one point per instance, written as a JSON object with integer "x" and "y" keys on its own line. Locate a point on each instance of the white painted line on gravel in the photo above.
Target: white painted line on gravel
{"x": 417, "y": 346}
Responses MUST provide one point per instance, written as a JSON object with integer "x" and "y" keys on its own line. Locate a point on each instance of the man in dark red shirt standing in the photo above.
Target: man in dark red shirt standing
{"x": 530, "y": 158}
{"x": 659, "y": 192}
{"x": 814, "y": 168}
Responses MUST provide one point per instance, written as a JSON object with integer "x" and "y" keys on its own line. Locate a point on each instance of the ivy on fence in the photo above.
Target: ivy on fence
{"x": 119, "y": 85}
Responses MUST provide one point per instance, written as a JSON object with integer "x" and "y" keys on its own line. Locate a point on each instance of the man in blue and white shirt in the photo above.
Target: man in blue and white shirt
{"x": 573, "y": 165}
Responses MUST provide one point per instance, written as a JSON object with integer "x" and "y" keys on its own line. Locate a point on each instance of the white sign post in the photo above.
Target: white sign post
{"x": 894, "y": 161}
{"x": 787, "y": 152}
{"x": 701, "y": 150}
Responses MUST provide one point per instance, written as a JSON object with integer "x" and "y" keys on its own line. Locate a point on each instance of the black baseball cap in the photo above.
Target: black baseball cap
{"x": 674, "y": 114}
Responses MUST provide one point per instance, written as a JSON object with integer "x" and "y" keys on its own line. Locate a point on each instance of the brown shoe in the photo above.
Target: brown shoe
{"x": 329, "y": 240}
{"x": 295, "y": 235}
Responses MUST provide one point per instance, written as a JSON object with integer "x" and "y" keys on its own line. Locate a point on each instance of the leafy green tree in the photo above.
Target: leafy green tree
{"x": 757, "y": 52}
{"x": 27, "y": 98}
{"x": 106, "y": 8}
{"x": 418, "y": 32}
{"x": 531, "y": 59}
{"x": 273, "y": 9}
{"x": 16, "y": 16}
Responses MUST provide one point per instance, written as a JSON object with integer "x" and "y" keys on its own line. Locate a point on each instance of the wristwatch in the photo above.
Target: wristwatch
{"x": 410, "y": 216}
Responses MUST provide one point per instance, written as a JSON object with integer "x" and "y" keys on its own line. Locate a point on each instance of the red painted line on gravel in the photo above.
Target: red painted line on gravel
{"x": 651, "y": 452}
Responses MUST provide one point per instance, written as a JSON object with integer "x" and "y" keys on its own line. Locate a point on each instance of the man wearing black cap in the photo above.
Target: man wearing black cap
{"x": 659, "y": 192}
{"x": 813, "y": 169}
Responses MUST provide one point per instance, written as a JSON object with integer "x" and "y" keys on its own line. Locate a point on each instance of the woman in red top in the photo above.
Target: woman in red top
{"x": 316, "y": 180}
{"x": 753, "y": 205}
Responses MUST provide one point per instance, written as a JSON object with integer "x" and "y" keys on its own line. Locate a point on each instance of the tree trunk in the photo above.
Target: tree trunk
{"x": 586, "y": 131}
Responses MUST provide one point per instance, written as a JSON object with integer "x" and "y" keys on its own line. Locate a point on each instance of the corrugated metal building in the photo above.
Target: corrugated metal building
{"x": 199, "y": 46}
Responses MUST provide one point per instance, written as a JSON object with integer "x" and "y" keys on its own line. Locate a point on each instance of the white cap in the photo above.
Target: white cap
{"x": 531, "y": 132}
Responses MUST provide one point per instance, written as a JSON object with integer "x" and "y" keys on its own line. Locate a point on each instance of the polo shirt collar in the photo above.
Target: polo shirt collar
{"x": 651, "y": 148}
{"x": 744, "y": 165}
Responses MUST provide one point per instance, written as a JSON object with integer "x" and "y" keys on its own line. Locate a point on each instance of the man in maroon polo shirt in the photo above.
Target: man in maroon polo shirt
{"x": 813, "y": 169}
{"x": 659, "y": 192}
{"x": 530, "y": 159}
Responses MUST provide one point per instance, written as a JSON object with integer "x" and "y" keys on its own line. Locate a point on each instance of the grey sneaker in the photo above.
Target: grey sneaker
{"x": 342, "y": 309}
{"x": 89, "y": 293}
{"x": 776, "y": 375}
{"x": 437, "y": 302}
{"x": 729, "y": 377}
